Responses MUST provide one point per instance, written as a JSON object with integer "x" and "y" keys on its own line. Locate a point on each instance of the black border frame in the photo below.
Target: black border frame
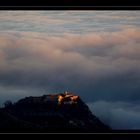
{"x": 32, "y": 5}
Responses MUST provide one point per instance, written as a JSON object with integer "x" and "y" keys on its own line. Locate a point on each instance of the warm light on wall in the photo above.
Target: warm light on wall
{"x": 71, "y": 98}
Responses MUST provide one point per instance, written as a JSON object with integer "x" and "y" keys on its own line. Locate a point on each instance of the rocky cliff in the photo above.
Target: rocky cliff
{"x": 63, "y": 112}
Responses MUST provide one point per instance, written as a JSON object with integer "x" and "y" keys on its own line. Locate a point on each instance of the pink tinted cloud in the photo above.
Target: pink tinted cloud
{"x": 94, "y": 54}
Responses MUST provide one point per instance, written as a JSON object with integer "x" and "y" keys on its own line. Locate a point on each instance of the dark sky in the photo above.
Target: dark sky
{"x": 95, "y": 54}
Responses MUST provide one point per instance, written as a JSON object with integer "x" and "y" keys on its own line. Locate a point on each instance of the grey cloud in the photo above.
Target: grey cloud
{"x": 96, "y": 66}
{"x": 119, "y": 115}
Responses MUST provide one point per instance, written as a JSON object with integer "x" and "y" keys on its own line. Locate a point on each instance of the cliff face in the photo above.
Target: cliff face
{"x": 62, "y": 112}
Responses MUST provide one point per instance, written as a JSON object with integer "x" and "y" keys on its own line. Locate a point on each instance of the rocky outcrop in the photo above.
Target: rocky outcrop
{"x": 63, "y": 112}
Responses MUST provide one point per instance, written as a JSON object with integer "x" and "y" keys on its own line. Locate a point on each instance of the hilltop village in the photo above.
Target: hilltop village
{"x": 59, "y": 99}
{"x": 63, "y": 98}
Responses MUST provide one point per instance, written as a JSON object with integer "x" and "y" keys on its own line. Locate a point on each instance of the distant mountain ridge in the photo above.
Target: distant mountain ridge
{"x": 62, "y": 112}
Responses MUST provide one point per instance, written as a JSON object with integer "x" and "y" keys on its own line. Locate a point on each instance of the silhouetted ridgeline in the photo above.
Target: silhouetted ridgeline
{"x": 63, "y": 112}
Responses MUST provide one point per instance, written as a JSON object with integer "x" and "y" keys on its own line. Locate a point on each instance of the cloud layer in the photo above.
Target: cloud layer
{"x": 118, "y": 115}
{"x": 98, "y": 65}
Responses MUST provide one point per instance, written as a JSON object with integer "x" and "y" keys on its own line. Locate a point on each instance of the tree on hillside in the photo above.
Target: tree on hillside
{"x": 8, "y": 103}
